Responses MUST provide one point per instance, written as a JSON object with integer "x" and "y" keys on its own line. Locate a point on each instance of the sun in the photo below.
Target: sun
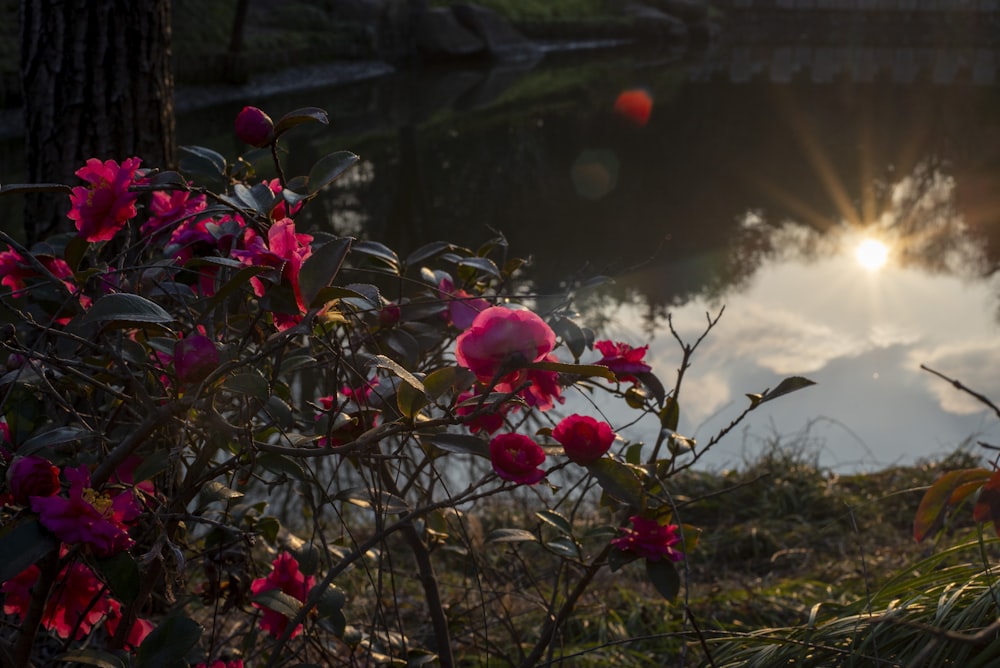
{"x": 871, "y": 254}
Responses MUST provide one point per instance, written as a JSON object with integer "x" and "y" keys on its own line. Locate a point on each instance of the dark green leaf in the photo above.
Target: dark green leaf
{"x": 328, "y": 168}
{"x": 280, "y": 464}
{"x": 246, "y": 198}
{"x": 510, "y": 536}
{"x": 122, "y": 575}
{"x": 670, "y": 414}
{"x": 374, "y": 249}
{"x": 653, "y": 384}
{"x": 619, "y": 480}
{"x": 618, "y": 558}
{"x": 279, "y": 411}
{"x": 151, "y": 464}
{"x": 585, "y": 370}
{"x": 251, "y": 384}
{"x": 56, "y": 436}
{"x": 268, "y": 527}
{"x": 121, "y": 306}
{"x": 216, "y": 491}
{"x": 321, "y": 267}
{"x": 169, "y": 643}
{"x": 409, "y": 400}
{"x": 564, "y": 546}
{"x": 483, "y": 264}
{"x": 788, "y": 385}
{"x": 428, "y": 251}
{"x": 168, "y": 178}
{"x": 22, "y": 546}
{"x": 279, "y": 601}
{"x": 204, "y": 161}
{"x": 459, "y": 443}
{"x": 299, "y": 116}
{"x": 10, "y": 188}
{"x": 92, "y": 657}
{"x": 332, "y": 600}
{"x": 383, "y": 362}
{"x": 555, "y": 519}
{"x": 664, "y": 577}
{"x": 572, "y": 335}
{"x": 440, "y": 381}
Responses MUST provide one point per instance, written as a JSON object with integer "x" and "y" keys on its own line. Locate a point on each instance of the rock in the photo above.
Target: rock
{"x": 438, "y": 34}
{"x": 502, "y": 40}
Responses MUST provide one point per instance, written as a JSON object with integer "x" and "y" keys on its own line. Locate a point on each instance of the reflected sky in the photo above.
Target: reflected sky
{"x": 813, "y": 307}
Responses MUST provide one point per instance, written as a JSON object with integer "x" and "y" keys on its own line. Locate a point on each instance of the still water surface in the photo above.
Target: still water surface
{"x": 849, "y": 225}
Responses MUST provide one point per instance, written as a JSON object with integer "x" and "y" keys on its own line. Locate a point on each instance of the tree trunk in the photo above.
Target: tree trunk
{"x": 97, "y": 83}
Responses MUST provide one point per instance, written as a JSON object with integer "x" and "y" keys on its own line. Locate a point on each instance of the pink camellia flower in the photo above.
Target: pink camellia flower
{"x": 649, "y": 539}
{"x": 166, "y": 208}
{"x": 32, "y": 476}
{"x": 287, "y": 577}
{"x": 500, "y": 340}
{"x": 194, "y": 358}
{"x": 623, "y": 359}
{"x": 281, "y": 209}
{"x": 516, "y": 458}
{"x": 584, "y": 439}
{"x": 489, "y": 421}
{"x": 462, "y": 306}
{"x": 541, "y": 388}
{"x": 78, "y": 601}
{"x": 284, "y": 250}
{"x": 254, "y": 127}
{"x": 102, "y": 209}
{"x": 140, "y": 629}
{"x": 87, "y": 516}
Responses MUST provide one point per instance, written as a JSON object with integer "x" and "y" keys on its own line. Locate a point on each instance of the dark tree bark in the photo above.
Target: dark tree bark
{"x": 97, "y": 83}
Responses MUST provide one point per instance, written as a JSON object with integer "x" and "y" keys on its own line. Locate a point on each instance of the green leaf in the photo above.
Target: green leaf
{"x": 204, "y": 161}
{"x": 670, "y": 414}
{"x": 245, "y": 197}
{"x": 428, "y": 251}
{"x": 169, "y": 643}
{"x": 122, "y": 575}
{"x": 22, "y": 546}
{"x": 510, "y": 536}
{"x": 459, "y": 443}
{"x": 664, "y": 577}
{"x": 564, "y": 546}
{"x": 441, "y": 381}
{"x": 618, "y": 558}
{"x": 251, "y": 384}
{"x": 942, "y": 494}
{"x": 328, "y": 168}
{"x": 483, "y": 264}
{"x": 92, "y": 657}
{"x": 321, "y": 267}
{"x": 216, "y": 491}
{"x": 374, "y": 249}
{"x": 572, "y": 335}
{"x": 56, "y": 436}
{"x": 787, "y": 386}
{"x": 280, "y": 464}
{"x": 9, "y": 188}
{"x": 409, "y": 400}
{"x": 584, "y": 370}
{"x": 556, "y": 520}
{"x": 121, "y": 306}
{"x": 618, "y": 480}
{"x": 167, "y": 178}
{"x": 279, "y": 601}
{"x": 383, "y": 362}
{"x": 299, "y": 116}
{"x": 653, "y": 384}
{"x": 331, "y": 601}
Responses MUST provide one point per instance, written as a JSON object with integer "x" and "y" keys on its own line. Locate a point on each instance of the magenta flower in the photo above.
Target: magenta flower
{"x": 584, "y": 439}
{"x": 78, "y": 601}
{"x": 87, "y": 516}
{"x": 541, "y": 388}
{"x": 166, "y": 208}
{"x": 103, "y": 207}
{"x": 623, "y": 359}
{"x": 516, "y": 458}
{"x": 287, "y": 577}
{"x": 195, "y": 357}
{"x": 285, "y": 250}
{"x": 488, "y": 421}
{"x": 649, "y": 539}
{"x": 462, "y": 306}
{"x": 254, "y": 127}
{"x": 500, "y": 340}
{"x": 32, "y": 476}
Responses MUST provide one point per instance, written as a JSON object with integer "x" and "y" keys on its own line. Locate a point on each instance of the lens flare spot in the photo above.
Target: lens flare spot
{"x": 634, "y": 105}
{"x": 871, "y": 254}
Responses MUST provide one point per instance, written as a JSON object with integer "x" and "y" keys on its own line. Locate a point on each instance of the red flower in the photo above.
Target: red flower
{"x": 287, "y": 577}
{"x": 166, "y": 208}
{"x": 140, "y": 629}
{"x": 501, "y": 340}
{"x": 102, "y": 208}
{"x": 32, "y": 476}
{"x": 462, "y": 306}
{"x": 516, "y": 458}
{"x": 649, "y": 539}
{"x": 195, "y": 357}
{"x": 284, "y": 250}
{"x": 87, "y": 516}
{"x": 254, "y": 127}
{"x": 635, "y": 105}
{"x": 584, "y": 439}
{"x": 17, "y": 591}
{"x": 623, "y": 359}
{"x": 489, "y": 421}
{"x": 542, "y": 390}
{"x": 78, "y": 601}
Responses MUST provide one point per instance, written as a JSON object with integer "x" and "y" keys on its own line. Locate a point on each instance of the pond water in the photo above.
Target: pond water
{"x": 752, "y": 185}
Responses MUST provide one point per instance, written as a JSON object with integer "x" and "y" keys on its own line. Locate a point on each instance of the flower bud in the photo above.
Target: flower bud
{"x": 254, "y": 127}
{"x": 194, "y": 358}
{"x": 32, "y": 476}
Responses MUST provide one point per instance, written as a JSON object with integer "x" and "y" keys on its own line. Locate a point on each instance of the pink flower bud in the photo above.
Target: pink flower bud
{"x": 32, "y": 476}
{"x": 254, "y": 127}
{"x": 194, "y": 358}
